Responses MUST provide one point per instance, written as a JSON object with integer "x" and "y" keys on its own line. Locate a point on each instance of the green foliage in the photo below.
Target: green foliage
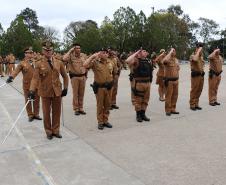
{"x": 30, "y": 18}
{"x": 126, "y": 32}
{"x": 17, "y": 38}
{"x": 208, "y": 29}
{"x": 86, "y": 33}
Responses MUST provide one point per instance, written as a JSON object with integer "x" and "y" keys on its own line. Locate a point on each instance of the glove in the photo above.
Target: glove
{"x": 9, "y": 80}
{"x": 64, "y": 92}
{"x": 31, "y": 95}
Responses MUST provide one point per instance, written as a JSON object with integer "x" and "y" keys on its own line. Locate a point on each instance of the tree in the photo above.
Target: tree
{"x": 166, "y": 30}
{"x": 17, "y": 38}
{"x": 51, "y": 34}
{"x": 71, "y": 32}
{"x": 208, "y": 28}
{"x": 30, "y": 19}
{"x": 86, "y": 33}
{"x": 1, "y": 41}
{"x": 175, "y": 9}
{"x": 107, "y": 33}
{"x": 1, "y": 30}
{"x": 123, "y": 22}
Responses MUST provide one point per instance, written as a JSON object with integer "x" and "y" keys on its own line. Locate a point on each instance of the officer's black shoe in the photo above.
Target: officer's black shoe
{"x": 144, "y": 117}
{"x": 77, "y": 113}
{"x": 115, "y": 107}
{"x": 161, "y": 99}
{"x": 49, "y": 137}
{"x": 212, "y": 104}
{"x": 82, "y": 112}
{"x": 37, "y": 117}
{"x": 100, "y": 126}
{"x": 139, "y": 118}
{"x": 57, "y": 135}
{"x": 108, "y": 125}
{"x": 198, "y": 108}
{"x": 30, "y": 119}
{"x": 168, "y": 113}
{"x": 193, "y": 108}
{"x": 174, "y": 112}
{"x": 217, "y": 103}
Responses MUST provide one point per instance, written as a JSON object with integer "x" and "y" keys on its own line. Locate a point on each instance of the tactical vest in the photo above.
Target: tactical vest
{"x": 143, "y": 69}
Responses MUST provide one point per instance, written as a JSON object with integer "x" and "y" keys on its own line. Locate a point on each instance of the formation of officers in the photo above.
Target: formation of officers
{"x": 41, "y": 78}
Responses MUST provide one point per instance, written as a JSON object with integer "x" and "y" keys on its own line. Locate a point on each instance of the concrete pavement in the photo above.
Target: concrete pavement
{"x": 185, "y": 149}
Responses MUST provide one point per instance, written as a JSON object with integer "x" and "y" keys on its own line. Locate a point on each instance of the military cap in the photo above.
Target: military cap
{"x": 28, "y": 49}
{"x": 47, "y": 45}
{"x": 162, "y": 50}
{"x": 104, "y": 49}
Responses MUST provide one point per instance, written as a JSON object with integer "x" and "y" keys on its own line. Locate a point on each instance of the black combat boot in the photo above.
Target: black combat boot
{"x": 143, "y": 116}
{"x": 139, "y": 117}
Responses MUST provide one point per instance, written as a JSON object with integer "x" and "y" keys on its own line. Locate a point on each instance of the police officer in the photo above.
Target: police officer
{"x": 160, "y": 75}
{"x": 142, "y": 74}
{"x": 197, "y": 76}
{"x": 103, "y": 82}
{"x": 116, "y": 62}
{"x": 26, "y": 66}
{"x": 46, "y": 78}
{"x": 11, "y": 60}
{"x": 215, "y": 70}
{"x": 171, "y": 77}
{"x": 78, "y": 75}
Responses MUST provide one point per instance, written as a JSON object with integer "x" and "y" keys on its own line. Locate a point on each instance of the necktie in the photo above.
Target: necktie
{"x": 50, "y": 64}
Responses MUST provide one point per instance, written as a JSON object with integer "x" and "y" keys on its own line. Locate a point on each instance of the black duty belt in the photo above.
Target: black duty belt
{"x": 212, "y": 72}
{"x": 107, "y": 85}
{"x": 170, "y": 78}
{"x": 197, "y": 73}
{"x": 76, "y": 75}
{"x": 142, "y": 81}
{"x": 12, "y": 63}
{"x": 96, "y": 86}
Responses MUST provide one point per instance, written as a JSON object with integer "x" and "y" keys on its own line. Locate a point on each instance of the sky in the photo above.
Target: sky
{"x": 58, "y": 13}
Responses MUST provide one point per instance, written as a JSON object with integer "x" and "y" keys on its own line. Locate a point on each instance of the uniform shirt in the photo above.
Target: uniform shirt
{"x": 161, "y": 66}
{"x": 47, "y": 79}
{"x": 114, "y": 62}
{"x": 216, "y": 63}
{"x": 197, "y": 65}
{"x": 171, "y": 68}
{"x": 103, "y": 70}
{"x": 27, "y": 69}
{"x": 75, "y": 63}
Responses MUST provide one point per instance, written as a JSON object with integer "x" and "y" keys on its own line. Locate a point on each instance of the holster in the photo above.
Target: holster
{"x": 136, "y": 92}
{"x": 212, "y": 73}
{"x": 94, "y": 87}
{"x": 131, "y": 77}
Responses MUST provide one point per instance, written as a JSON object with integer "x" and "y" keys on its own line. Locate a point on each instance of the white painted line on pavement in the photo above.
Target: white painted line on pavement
{"x": 40, "y": 169}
